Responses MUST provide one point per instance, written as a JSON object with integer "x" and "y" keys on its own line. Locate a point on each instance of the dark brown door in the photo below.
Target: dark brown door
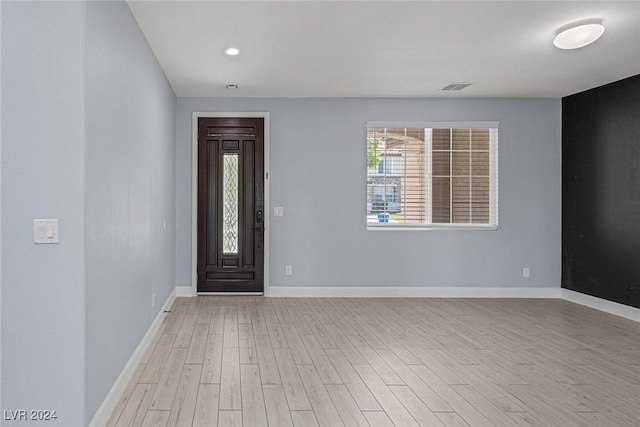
{"x": 230, "y": 205}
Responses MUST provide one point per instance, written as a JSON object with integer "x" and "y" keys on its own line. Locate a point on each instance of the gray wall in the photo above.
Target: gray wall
{"x": 43, "y": 304}
{"x": 318, "y": 173}
{"x": 1, "y": 206}
{"x": 88, "y": 137}
{"x": 130, "y": 110}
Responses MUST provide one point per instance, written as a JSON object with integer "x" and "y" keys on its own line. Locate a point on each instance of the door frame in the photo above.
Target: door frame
{"x": 194, "y": 198}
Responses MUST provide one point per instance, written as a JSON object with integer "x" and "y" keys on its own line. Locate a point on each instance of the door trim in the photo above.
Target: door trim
{"x": 194, "y": 192}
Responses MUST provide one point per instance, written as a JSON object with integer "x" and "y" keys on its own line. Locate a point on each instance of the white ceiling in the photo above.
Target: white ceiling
{"x": 386, "y": 49}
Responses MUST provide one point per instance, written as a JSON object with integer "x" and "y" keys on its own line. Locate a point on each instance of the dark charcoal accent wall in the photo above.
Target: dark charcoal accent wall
{"x": 601, "y": 192}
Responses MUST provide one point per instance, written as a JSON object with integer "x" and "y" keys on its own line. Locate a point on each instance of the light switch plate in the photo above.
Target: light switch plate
{"x": 278, "y": 211}
{"x": 45, "y": 231}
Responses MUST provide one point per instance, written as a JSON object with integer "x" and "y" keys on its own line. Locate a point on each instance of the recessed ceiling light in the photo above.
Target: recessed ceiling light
{"x": 232, "y": 51}
{"x": 578, "y": 34}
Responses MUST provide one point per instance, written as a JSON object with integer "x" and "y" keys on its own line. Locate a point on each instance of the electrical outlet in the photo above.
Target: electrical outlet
{"x": 278, "y": 211}
{"x": 288, "y": 270}
{"x": 525, "y": 272}
{"x": 153, "y": 300}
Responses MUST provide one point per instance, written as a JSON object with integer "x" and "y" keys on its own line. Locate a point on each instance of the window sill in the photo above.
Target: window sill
{"x": 430, "y": 227}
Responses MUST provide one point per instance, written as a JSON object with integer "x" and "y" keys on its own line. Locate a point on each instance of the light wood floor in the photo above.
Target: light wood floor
{"x": 252, "y": 361}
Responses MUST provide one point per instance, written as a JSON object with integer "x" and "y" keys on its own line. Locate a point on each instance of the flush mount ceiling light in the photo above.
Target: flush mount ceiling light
{"x": 578, "y": 34}
{"x": 232, "y": 51}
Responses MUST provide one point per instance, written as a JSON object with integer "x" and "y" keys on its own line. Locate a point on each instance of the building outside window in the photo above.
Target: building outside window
{"x": 436, "y": 176}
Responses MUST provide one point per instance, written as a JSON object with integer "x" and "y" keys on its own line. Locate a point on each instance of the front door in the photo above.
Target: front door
{"x": 230, "y": 205}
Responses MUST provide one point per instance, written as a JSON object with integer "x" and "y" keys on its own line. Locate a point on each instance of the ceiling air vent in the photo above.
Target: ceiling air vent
{"x": 456, "y": 86}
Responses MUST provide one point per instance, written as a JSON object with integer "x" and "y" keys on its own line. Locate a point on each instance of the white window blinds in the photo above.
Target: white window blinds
{"x": 435, "y": 175}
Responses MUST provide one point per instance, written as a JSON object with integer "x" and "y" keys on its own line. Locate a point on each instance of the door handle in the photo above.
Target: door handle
{"x": 259, "y": 217}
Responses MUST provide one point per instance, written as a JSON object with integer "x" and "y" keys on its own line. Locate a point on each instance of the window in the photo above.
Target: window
{"x": 435, "y": 175}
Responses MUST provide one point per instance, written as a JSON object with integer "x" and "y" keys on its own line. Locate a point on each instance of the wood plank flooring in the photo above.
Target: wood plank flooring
{"x": 253, "y": 361}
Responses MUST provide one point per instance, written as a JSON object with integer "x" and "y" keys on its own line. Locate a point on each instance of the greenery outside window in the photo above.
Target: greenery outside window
{"x": 432, "y": 175}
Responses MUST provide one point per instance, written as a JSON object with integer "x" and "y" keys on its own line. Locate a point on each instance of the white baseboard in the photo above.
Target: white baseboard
{"x": 184, "y": 291}
{"x": 101, "y": 418}
{"x": 610, "y": 307}
{"x": 413, "y": 292}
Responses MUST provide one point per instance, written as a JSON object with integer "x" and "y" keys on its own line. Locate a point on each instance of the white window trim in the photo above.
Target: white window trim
{"x": 428, "y": 173}
{"x": 493, "y": 176}
{"x": 429, "y": 227}
{"x": 436, "y": 125}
